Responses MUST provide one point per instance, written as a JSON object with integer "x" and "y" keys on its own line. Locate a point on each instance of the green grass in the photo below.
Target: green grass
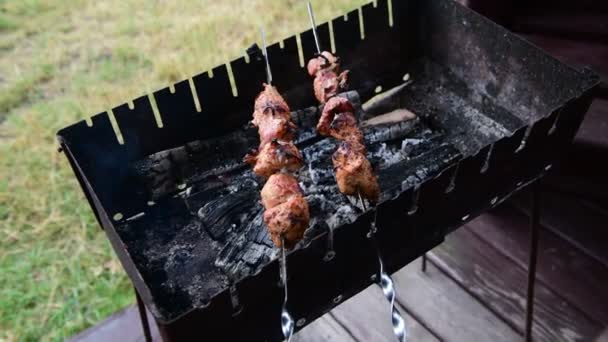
{"x": 23, "y": 89}
{"x": 61, "y": 61}
{"x": 6, "y": 23}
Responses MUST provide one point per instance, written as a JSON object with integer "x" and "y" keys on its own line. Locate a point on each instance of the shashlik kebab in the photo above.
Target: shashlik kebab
{"x": 286, "y": 211}
{"x": 354, "y": 173}
{"x": 328, "y": 80}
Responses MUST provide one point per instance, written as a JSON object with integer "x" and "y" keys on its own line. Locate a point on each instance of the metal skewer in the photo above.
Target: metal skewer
{"x": 268, "y": 72}
{"x": 287, "y": 323}
{"x": 311, "y": 15}
{"x": 386, "y": 283}
{"x": 330, "y": 234}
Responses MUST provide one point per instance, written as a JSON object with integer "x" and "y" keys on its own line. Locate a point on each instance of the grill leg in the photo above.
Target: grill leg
{"x": 423, "y": 264}
{"x": 143, "y": 316}
{"x": 534, "y": 230}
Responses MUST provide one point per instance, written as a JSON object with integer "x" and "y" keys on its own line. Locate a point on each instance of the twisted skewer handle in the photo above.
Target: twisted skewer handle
{"x": 287, "y": 323}
{"x": 386, "y": 284}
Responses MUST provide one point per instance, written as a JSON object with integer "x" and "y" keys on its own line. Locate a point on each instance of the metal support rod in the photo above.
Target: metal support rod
{"x": 534, "y": 232}
{"x": 423, "y": 264}
{"x": 143, "y": 316}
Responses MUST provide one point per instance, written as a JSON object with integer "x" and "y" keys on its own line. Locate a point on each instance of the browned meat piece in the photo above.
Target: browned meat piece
{"x": 275, "y": 127}
{"x": 271, "y": 116}
{"x": 344, "y": 127}
{"x": 338, "y": 121}
{"x": 289, "y": 220}
{"x": 287, "y": 213}
{"x": 278, "y": 189}
{"x": 354, "y": 173}
{"x": 275, "y": 156}
{"x": 328, "y": 84}
{"x": 269, "y": 103}
{"x": 324, "y": 61}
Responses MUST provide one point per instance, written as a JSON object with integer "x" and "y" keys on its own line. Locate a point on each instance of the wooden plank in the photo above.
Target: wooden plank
{"x": 573, "y": 24}
{"x": 603, "y": 337}
{"x": 595, "y": 125}
{"x": 367, "y": 318}
{"x": 123, "y": 326}
{"x": 561, "y": 267}
{"x": 574, "y": 52}
{"x": 580, "y": 175}
{"x": 325, "y": 328}
{"x": 579, "y": 172}
{"x": 446, "y": 309}
{"x": 501, "y": 284}
{"x": 580, "y": 224}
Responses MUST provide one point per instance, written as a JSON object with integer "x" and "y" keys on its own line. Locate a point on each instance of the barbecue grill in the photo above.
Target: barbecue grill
{"x": 493, "y": 114}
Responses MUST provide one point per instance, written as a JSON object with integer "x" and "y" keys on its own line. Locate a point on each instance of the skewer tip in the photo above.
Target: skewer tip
{"x": 313, "y": 25}
{"x": 265, "y": 52}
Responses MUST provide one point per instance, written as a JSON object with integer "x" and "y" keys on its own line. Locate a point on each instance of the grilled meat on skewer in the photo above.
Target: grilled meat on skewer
{"x": 286, "y": 212}
{"x": 269, "y": 102}
{"x": 272, "y": 117}
{"x": 274, "y": 127}
{"x": 275, "y": 156}
{"x": 338, "y": 120}
{"x": 328, "y": 84}
{"x": 278, "y": 189}
{"x": 328, "y": 80}
{"x": 354, "y": 173}
{"x": 323, "y": 61}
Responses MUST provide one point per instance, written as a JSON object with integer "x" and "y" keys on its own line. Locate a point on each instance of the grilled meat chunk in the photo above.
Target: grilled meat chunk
{"x": 328, "y": 83}
{"x": 324, "y": 61}
{"x": 275, "y": 127}
{"x": 269, "y": 102}
{"x": 328, "y": 80}
{"x": 278, "y": 189}
{"x": 354, "y": 173}
{"x": 287, "y": 214}
{"x": 338, "y": 120}
{"x": 275, "y": 156}
{"x": 271, "y": 116}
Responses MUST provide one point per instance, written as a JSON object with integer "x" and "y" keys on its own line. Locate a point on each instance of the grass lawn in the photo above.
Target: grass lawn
{"x": 62, "y": 61}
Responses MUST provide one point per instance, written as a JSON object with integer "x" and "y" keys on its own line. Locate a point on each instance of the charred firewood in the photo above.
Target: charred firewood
{"x": 167, "y": 171}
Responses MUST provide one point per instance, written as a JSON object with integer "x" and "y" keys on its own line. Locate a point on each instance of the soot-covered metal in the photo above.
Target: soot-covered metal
{"x": 490, "y": 114}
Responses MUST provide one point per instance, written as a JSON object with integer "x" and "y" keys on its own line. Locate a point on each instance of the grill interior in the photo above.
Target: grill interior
{"x": 491, "y": 110}
{"x": 199, "y": 239}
